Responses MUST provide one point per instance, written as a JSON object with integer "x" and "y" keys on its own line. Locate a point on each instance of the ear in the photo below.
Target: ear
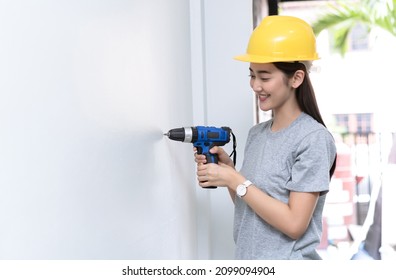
{"x": 298, "y": 78}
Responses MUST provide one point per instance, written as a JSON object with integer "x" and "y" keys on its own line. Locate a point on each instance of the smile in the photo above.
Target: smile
{"x": 263, "y": 97}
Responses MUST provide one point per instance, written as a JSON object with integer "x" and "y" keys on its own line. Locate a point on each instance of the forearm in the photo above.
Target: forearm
{"x": 232, "y": 194}
{"x": 292, "y": 221}
{"x": 271, "y": 210}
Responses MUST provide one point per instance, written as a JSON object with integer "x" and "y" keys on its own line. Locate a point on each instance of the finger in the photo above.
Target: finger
{"x": 202, "y": 168}
{"x": 216, "y": 150}
{"x": 200, "y": 160}
{"x": 200, "y": 163}
{"x": 200, "y": 174}
{"x": 204, "y": 184}
{"x": 200, "y": 157}
{"x": 202, "y": 177}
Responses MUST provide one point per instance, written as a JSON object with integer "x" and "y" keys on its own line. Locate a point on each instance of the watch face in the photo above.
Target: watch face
{"x": 241, "y": 190}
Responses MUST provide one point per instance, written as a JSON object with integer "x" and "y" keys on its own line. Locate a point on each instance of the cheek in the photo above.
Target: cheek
{"x": 254, "y": 84}
{"x": 272, "y": 87}
{"x": 281, "y": 85}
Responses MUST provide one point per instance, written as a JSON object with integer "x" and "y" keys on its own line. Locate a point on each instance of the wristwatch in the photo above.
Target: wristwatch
{"x": 241, "y": 190}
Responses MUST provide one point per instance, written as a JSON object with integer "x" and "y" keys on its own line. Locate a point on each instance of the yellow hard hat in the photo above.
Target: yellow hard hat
{"x": 281, "y": 39}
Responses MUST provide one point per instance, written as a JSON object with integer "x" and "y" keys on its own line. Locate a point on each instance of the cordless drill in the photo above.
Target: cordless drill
{"x": 203, "y": 138}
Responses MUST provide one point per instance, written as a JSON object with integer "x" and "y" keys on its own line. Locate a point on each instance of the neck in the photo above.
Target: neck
{"x": 282, "y": 120}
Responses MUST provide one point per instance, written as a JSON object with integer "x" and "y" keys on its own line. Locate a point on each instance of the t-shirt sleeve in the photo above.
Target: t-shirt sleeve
{"x": 314, "y": 158}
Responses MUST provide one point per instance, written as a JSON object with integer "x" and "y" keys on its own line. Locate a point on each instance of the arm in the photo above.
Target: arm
{"x": 292, "y": 218}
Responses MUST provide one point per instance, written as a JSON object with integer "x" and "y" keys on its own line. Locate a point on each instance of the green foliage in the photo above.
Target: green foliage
{"x": 342, "y": 16}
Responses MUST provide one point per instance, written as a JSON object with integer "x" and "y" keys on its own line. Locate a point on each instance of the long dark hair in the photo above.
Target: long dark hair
{"x": 305, "y": 94}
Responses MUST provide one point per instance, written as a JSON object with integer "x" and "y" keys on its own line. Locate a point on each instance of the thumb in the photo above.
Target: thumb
{"x": 216, "y": 150}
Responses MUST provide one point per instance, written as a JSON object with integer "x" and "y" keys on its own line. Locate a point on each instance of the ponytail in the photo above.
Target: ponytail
{"x": 305, "y": 94}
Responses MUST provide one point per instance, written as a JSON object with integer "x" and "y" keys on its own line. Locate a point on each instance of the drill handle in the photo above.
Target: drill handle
{"x": 210, "y": 158}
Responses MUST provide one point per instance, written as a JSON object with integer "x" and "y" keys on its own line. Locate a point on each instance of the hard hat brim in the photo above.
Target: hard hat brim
{"x": 262, "y": 59}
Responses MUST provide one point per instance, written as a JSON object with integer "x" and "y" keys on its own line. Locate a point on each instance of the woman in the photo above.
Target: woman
{"x": 280, "y": 190}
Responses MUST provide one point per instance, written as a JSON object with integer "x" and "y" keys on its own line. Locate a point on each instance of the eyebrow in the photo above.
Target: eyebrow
{"x": 260, "y": 71}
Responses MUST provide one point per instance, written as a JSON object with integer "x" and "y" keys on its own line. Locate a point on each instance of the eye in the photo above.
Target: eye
{"x": 252, "y": 76}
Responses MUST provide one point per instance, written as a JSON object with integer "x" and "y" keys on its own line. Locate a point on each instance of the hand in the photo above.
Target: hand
{"x": 223, "y": 157}
{"x": 212, "y": 174}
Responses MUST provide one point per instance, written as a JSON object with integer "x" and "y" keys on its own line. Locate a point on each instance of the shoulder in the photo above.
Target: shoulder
{"x": 307, "y": 127}
{"x": 309, "y": 122}
{"x": 314, "y": 136}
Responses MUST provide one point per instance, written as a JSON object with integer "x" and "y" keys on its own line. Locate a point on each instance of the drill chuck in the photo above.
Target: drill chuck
{"x": 183, "y": 134}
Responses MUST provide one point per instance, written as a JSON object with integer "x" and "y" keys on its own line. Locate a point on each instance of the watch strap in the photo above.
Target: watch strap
{"x": 247, "y": 183}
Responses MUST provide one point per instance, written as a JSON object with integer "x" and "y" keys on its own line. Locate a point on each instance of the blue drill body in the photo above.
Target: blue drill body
{"x": 208, "y": 137}
{"x": 203, "y": 138}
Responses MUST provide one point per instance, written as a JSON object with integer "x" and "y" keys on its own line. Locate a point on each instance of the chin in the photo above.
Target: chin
{"x": 265, "y": 108}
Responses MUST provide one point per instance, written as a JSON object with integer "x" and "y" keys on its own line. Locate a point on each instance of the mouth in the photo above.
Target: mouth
{"x": 262, "y": 97}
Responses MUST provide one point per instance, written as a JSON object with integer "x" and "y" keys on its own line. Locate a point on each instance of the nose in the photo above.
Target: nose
{"x": 256, "y": 86}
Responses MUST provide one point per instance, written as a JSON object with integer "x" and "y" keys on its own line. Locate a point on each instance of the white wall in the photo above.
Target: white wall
{"x": 86, "y": 90}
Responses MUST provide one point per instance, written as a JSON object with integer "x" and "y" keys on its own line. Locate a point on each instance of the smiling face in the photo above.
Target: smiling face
{"x": 274, "y": 90}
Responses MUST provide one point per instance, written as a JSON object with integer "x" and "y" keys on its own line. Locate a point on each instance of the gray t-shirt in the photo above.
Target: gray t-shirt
{"x": 297, "y": 158}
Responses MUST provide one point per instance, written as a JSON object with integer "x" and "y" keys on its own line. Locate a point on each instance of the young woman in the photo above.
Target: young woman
{"x": 280, "y": 190}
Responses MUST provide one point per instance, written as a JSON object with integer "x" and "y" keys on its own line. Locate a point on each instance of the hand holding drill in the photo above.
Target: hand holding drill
{"x": 214, "y": 174}
{"x": 206, "y": 141}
